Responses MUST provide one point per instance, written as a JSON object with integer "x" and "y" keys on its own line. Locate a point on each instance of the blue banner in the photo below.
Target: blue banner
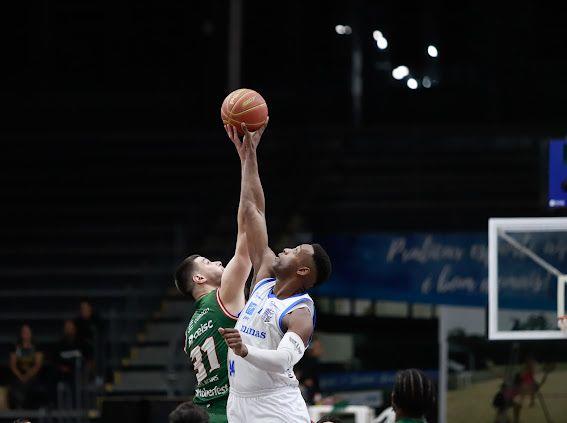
{"x": 419, "y": 268}
{"x": 444, "y": 268}
{"x": 363, "y": 380}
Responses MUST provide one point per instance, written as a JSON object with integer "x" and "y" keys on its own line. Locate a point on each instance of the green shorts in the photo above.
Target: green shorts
{"x": 217, "y": 411}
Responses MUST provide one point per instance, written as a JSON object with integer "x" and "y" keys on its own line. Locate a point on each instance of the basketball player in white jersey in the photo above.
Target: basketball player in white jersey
{"x": 277, "y": 322}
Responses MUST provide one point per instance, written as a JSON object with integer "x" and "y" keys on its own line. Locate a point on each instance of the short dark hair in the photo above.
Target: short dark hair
{"x": 331, "y": 419}
{"x": 414, "y": 393}
{"x": 322, "y": 261}
{"x": 184, "y": 275}
{"x": 188, "y": 412}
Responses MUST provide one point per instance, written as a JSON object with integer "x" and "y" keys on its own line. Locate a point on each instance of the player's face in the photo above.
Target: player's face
{"x": 291, "y": 259}
{"x": 212, "y": 270}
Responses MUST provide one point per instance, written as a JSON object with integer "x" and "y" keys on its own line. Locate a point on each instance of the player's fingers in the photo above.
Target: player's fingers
{"x": 230, "y": 330}
{"x": 263, "y": 127}
{"x": 222, "y": 331}
{"x": 245, "y": 128}
{"x": 231, "y": 336}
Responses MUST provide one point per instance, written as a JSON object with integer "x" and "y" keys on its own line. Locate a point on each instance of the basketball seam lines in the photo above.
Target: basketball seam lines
{"x": 237, "y": 99}
{"x": 247, "y": 110}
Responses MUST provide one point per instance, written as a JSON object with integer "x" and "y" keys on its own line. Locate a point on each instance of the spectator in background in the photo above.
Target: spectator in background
{"x": 308, "y": 372}
{"x": 413, "y": 396}
{"x": 88, "y": 328}
{"x": 67, "y": 351}
{"x": 25, "y": 364}
{"x": 188, "y": 412}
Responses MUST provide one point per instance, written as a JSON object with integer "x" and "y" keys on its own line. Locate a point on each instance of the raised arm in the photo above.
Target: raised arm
{"x": 254, "y": 205}
{"x": 238, "y": 268}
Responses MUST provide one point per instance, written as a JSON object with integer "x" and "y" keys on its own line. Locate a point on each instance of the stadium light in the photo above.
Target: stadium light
{"x": 377, "y": 35}
{"x": 432, "y": 51}
{"x": 412, "y": 84}
{"x": 382, "y": 43}
{"x": 400, "y": 72}
{"x": 426, "y": 82}
{"x": 343, "y": 29}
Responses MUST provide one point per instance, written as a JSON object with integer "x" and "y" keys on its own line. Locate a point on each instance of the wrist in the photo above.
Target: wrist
{"x": 244, "y": 351}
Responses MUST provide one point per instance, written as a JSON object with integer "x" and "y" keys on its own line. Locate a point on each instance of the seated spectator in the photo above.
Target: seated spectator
{"x": 413, "y": 396}
{"x": 188, "y": 412}
{"x": 25, "y": 365}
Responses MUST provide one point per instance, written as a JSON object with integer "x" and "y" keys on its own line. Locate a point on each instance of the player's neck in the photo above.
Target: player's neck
{"x": 202, "y": 291}
{"x": 286, "y": 288}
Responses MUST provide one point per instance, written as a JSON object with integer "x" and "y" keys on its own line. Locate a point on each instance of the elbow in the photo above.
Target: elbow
{"x": 250, "y": 209}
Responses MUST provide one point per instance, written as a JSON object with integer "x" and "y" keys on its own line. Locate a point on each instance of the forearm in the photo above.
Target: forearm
{"x": 252, "y": 191}
{"x": 16, "y": 372}
{"x": 289, "y": 352}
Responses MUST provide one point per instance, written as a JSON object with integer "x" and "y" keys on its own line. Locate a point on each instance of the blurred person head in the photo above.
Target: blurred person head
{"x": 22, "y": 420}
{"x": 329, "y": 419}
{"x": 69, "y": 329}
{"x": 316, "y": 348}
{"x": 308, "y": 265}
{"x": 413, "y": 395}
{"x": 85, "y": 310}
{"x": 197, "y": 276}
{"x": 25, "y": 334}
{"x": 188, "y": 412}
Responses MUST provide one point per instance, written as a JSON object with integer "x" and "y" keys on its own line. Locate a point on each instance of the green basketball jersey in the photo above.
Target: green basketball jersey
{"x": 208, "y": 350}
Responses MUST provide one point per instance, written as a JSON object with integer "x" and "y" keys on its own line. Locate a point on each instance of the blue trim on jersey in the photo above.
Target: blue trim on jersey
{"x": 284, "y": 313}
{"x": 314, "y": 323}
{"x": 262, "y": 282}
{"x": 272, "y": 295}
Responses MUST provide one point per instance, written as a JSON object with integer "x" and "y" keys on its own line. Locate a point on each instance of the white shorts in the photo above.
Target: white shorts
{"x": 284, "y": 405}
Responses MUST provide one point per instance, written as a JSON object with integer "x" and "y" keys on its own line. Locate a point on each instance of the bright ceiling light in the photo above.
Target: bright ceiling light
{"x": 412, "y": 84}
{"x": 432, "y": 51}
{"x": 382, "y": 43}
{"x": 400, "y": 72}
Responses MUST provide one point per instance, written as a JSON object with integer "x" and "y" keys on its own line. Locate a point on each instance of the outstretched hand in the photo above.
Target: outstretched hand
{"x": 233, "y": 136}
{"x": 252, "y": 139}
{"x": 234, "y": 341}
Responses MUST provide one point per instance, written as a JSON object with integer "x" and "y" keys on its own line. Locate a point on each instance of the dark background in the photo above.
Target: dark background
{"x": 114, "y": 163}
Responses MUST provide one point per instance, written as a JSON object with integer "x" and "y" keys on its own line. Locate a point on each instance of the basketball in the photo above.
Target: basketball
{"x": 244, "y": 106}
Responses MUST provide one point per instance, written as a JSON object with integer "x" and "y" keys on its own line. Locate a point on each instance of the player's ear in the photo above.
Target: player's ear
{"x": 303, "y": 271}
{"x": 199, "y": 279}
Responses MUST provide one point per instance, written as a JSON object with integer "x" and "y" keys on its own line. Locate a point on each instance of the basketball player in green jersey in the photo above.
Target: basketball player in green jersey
{"x": 219, "y": 298}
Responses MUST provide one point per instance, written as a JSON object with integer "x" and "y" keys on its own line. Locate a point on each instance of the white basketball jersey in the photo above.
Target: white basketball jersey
{"x": 261, "y": 324}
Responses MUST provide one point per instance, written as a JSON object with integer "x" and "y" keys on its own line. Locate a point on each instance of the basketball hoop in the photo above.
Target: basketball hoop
{"x": 562, "y": 323}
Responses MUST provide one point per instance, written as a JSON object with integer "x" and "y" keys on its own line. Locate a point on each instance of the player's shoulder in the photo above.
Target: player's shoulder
{"x": 263, "y": 286}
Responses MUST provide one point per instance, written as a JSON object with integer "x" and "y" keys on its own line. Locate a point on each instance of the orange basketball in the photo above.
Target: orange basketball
{"x": 244, "y": 105}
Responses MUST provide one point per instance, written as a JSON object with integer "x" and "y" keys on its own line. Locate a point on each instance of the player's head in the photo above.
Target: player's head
{"x": 197, "y": 271}
{"x": 188, "y": 412}
{"x": 308, "y": 262}
{"x": 413, "y": 395}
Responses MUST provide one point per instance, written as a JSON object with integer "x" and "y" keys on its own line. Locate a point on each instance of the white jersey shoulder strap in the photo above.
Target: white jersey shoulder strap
{"x": 263, "y": 286}
{"x": 294, "y": 303}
